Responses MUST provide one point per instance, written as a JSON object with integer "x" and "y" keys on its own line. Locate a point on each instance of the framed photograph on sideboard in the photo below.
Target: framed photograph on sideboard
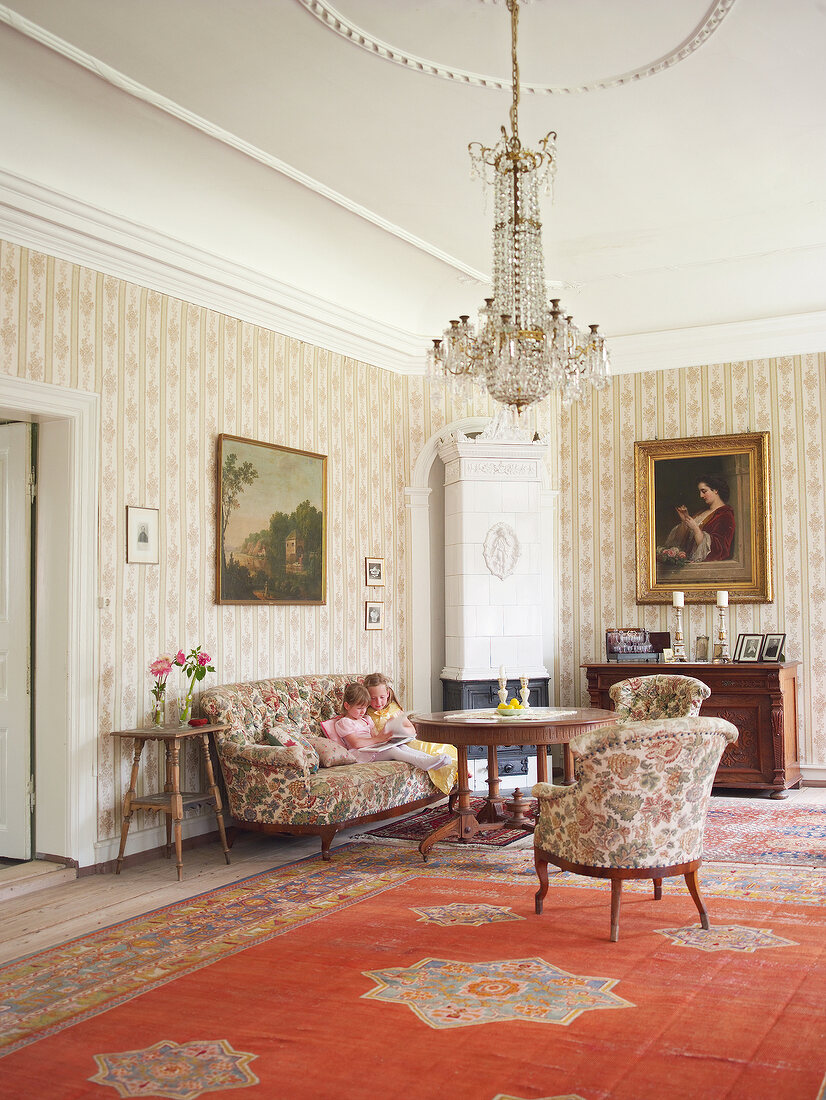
{"x": 749, "y": 649}
{"x": 773, "y": 647}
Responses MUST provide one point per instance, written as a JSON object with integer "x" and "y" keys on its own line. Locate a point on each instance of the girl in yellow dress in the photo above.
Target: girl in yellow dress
{"x": 384, "y": 705}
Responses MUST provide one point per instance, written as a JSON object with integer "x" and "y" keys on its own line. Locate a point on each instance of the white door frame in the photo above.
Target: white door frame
{"x": 74, "y": 630}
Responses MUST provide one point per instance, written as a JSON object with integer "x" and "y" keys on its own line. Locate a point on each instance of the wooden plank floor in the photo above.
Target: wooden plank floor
{"x": 57, "y": 914}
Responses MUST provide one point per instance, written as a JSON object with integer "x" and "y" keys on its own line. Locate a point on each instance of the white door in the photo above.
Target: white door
{"x": 15, "y": 642}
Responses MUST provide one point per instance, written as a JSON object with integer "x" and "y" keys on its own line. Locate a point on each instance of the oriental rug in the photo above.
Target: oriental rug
{"x": 376, "y": 975}
{"x": 737, "y": 831}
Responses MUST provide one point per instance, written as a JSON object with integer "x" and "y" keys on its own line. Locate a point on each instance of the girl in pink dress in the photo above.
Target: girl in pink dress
{"x": 365, "y": 742}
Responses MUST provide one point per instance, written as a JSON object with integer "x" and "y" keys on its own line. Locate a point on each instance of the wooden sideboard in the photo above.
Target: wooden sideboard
{"x": 760, "y": 699}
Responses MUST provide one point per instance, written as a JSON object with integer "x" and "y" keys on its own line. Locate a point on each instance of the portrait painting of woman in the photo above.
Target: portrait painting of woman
{"x": 703, "y": 518}
{"x": 707, "y": 534}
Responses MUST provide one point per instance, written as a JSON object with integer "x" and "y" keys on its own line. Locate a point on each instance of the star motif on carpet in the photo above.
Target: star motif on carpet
{"x": 458, "y": 913}
{"x": 732, "y": 937}
{"x": 445, "y": 993}
{"x": 179, "y": 1071}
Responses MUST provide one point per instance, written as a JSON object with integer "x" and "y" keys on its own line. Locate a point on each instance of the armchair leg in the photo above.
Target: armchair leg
{"x": 542, "y": 871}
{"x": 616, "y": 898}
{"x": 327, "y": 836}
{"x": 658, "y": 889}
{"x": 694, "y": 889}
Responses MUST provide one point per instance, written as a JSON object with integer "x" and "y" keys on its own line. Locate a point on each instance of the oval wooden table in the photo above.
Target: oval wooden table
{"x": 462, "y": 728}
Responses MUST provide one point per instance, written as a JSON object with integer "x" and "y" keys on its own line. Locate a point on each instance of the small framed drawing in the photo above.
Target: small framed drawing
{"x": 738, "y": 645}
{"x": 142, "y": 535}
{"x": 373, "y": 615}
{"x": 668, "y": 656}
{"x": 750, "y": 648}
{"x": 374, "y": 572}
{"x": 773, "y": 647}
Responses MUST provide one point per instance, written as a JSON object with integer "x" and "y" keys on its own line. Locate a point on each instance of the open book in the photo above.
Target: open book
{"x": 395, "y": 732}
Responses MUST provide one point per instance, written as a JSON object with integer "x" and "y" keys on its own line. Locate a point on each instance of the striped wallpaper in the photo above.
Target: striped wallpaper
{"x": 172, "y": 376}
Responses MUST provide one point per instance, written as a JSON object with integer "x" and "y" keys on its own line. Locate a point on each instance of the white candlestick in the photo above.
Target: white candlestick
{"x": 678, "y": 599}
{"x": 722, "y": 599}
{"x": 502, "y": 675}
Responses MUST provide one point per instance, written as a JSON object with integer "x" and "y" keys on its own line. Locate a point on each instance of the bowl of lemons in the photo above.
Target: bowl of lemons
{"x": 511, "y": 709}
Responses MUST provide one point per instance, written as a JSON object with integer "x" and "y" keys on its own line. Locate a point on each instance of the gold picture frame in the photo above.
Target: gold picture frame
{"x": 668, "y": 474}
{"x": 272, "y": 524}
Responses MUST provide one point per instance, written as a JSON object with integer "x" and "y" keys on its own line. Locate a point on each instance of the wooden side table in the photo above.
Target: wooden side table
{"x": 172, "y": 801}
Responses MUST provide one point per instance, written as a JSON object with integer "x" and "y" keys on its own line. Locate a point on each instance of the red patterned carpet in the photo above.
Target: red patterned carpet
{"x": 737, "y": 831}
{"x": 376, "y": 975}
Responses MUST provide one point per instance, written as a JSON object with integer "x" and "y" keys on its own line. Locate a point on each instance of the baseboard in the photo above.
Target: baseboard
{"x": 109, "y": 866}
{"x": 813, "y": 775}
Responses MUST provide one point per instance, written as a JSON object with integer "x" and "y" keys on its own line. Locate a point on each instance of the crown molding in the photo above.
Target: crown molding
{"x": 38, "y": 217}
{"x": 738, "y": 341}
{"x": 160, "y": 102}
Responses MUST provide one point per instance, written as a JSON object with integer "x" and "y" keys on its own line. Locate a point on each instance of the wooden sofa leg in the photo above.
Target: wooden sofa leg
{"x": 658, "y": 889}
{"x": 326, "y": 840}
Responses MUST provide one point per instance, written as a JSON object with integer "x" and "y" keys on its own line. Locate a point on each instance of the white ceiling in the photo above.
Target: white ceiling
{"x": 692, "y": 197}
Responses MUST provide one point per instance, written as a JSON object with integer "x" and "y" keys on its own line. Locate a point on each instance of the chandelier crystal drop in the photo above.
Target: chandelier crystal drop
{"x": 522, "y": 347}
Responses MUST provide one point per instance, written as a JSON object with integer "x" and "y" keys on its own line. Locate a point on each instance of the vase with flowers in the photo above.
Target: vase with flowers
{"x": 160, "y": 669}
{"x": 194, "y": 665}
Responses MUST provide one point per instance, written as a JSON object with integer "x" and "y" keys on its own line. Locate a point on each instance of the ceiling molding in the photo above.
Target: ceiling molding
{"x": 154, "y": 99}
{"x": 357, "y": 36}
{"x": 40, "y": 218}
{"x": 735, "y": 342}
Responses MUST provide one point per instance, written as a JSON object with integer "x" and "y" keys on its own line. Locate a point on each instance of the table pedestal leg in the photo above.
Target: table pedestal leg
{"x": 542, "y": 763}
{"x": 167, "y": 786}
{"x": 127, "y": 802}
{"x": 567, "y": 765}
{"x": 216, "y": 794}
{"x": 464, "y": 823}
{"x": 490, "y": 811}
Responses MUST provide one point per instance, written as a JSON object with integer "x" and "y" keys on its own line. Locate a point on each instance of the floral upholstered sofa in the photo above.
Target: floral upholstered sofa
{"x": 274, "y": 776}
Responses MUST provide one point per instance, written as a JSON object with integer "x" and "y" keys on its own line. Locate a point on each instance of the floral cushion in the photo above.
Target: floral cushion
{"x": 642, "y": 697}
{"x": 330, "y": 753}
{"x": 641, "y": 794}
{"x": 276, "y": 784}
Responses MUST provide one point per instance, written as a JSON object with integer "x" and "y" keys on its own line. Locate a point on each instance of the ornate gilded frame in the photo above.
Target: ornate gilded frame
{"x": 666, "y": 472}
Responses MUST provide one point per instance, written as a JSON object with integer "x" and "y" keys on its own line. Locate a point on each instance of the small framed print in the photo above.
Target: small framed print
{"x": 373, "y": 615}
{"x": 737, "y": 647}
{"x": 668, "y": 656}
{"x": 374, "y": 572}
{"x": 750, "y": 648}
{"x": 773, "y": 647}
{"x": 142, "y": 535}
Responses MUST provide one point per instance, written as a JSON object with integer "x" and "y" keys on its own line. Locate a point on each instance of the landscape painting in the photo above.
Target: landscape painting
{"x": 271, "y": 524}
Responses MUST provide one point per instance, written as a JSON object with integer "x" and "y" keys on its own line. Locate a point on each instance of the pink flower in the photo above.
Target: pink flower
{"x": 204, "y": 658}
{"x": 161, "y": 667}
{"x": 180, "y": 657}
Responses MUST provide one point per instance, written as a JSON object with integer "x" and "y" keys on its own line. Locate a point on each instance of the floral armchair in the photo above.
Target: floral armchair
{"x": 638, "y": 806}
{"x": 644, "y": 697}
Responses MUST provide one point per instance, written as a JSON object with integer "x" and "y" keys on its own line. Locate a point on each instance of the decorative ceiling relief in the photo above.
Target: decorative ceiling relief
{"x": 501, "y": 550}
{"x": 338, "y": 23}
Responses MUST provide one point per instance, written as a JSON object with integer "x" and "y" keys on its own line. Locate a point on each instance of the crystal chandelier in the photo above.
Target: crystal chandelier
{"x": 522, "y": 348}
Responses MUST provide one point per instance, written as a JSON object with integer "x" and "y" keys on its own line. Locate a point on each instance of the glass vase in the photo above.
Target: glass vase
{"x": 186, "y": 710}
{"x": 158, "y": 712}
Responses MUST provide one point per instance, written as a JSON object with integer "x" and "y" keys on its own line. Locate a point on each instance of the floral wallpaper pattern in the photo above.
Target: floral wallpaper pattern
{"x": 172, "y": 376}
